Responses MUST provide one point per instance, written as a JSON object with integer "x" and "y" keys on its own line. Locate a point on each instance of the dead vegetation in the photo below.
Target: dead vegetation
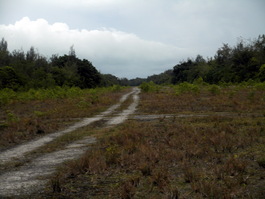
{"x": 22, "y": 120}
{"x": 216, "y": 156}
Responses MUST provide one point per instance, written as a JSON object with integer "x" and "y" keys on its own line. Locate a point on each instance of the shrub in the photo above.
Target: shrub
{"x": 115, "y": 88}
{"x": 200, "y": 82}
{"x": 6, "y": 95}
{"x": 260, "y": 86}
{"x": 186, "y": 87}
{"x": 149, "y": 87}
{"x": 214, "y": 89}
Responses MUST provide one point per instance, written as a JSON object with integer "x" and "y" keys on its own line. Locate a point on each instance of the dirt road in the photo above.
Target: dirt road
{"x": 31, "y": 175}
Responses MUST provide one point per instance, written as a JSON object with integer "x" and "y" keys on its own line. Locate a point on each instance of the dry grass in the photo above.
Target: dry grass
{"x": 197, "y": 157}
{"x": 192, "y": 158}
{"x": 231, "y": 99}
{"x": 23, "y": 120}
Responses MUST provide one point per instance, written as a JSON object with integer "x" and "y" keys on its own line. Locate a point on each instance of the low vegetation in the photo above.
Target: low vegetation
{"x": 25, "y": 115}
{"x": 211, "y": 146}
{"x": 207, "y": 143}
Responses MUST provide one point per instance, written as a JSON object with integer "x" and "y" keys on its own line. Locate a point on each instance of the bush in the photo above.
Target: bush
{"x": 6, "y": 95}
{"x": 149, "y": 87}
{"x": 200, "y": 82}
{"x": 115, "y": 88}
{"x": 214, "y": 89}
{"x": 186, "y": 87}
{"x": 260, "y": 86}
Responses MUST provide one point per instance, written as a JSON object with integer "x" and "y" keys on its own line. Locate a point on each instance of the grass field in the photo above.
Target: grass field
{"x": 26, "y": 115}
{"x": 212, "y": 145}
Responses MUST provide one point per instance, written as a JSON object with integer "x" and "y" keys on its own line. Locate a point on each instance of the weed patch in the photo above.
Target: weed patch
{"x": 174, "y": 159}
{"x": 217, "y": 156}
{"x": 26, "y": 115}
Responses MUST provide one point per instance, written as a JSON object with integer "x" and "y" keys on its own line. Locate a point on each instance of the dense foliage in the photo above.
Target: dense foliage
{"x": 241, "y": 63}
{"x": 19, "y": 70}
{"x": 244, "y": 62}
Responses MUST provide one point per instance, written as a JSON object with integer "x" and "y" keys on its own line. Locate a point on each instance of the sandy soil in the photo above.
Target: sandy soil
{"x": 31, "y": 176}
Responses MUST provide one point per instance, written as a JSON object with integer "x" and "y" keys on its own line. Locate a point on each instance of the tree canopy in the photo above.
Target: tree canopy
{"x": 19, "y": 70}
{"x": 236, "y": 64}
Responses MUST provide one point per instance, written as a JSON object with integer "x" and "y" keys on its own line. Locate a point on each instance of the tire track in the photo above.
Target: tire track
{"x": 19, "y": 151}
{"x": 31, "y": 176}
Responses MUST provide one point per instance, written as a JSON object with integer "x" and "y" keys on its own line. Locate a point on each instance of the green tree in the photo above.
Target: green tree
{"x": 9, "y": 78}
{"x": 261, "y": 74}
{"x": 181, "y": 71}
{"x": 109, "y": 80}
{"x": 31, "y": 54}
{"x": 89, "y": 76}
{"x": 4, "y": 54}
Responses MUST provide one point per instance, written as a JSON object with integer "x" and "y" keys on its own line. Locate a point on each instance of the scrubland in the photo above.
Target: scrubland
{"x": 211, "y": 146}
{"x": 26, "y": 115}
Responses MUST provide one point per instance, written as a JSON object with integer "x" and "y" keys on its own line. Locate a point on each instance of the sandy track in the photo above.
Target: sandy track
{"x": 19, "y": 151}
{"x": 29, "y": 177}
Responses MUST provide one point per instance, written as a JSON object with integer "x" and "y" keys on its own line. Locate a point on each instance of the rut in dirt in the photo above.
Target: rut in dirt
{"x": 19, "y": 151}
{"x": 30, "y": 177}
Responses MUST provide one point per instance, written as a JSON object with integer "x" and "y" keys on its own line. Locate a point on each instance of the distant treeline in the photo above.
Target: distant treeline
{"x": 20, "y": 70}
{"x": 23, "y": 71}
{"x": 243, "y": 62}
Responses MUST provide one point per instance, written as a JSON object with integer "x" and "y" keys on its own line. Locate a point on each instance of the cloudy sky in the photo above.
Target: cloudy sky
{"x": 130, "y": 38}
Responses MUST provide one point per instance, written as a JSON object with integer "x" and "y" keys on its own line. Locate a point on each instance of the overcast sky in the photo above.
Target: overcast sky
{"x": 130, "y": 38}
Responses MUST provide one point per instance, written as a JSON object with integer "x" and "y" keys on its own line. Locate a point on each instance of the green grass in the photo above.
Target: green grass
{"x": 9, "y": 96}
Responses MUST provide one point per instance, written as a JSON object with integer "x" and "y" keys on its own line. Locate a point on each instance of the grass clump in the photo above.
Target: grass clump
{"x": 214, "y": 89}
{"x": 149, "y": 87}
{"x": 187, "y": 88}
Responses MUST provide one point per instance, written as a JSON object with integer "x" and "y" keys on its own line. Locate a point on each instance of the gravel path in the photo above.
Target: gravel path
{"x": 31, "y": 176}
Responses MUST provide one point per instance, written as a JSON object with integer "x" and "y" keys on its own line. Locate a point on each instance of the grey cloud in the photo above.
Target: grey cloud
{"x": 109, "y": 49}
{"x": 135, "y": 33}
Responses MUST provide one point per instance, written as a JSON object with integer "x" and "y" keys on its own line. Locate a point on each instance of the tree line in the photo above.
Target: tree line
{"x": 243, "y": 62}
{"x": 21, "y": 70}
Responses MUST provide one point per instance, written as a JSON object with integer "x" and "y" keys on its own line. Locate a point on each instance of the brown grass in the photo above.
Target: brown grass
{"x": 141, "y": 162}
{"x": 229, "y": 99}
{"x": 216, "y": 156}
{"x": 22, "y": 121}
